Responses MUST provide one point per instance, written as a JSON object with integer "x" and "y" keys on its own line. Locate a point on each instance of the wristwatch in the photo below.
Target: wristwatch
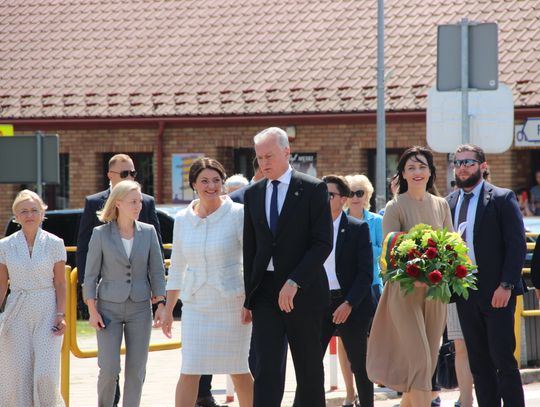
{"x": 292, "y": 283}
{"x": 506, "y": 286}
{"x": 164, "y": 302}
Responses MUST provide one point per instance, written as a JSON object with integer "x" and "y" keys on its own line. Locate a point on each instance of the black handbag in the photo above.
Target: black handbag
{"x": 446, "y": 364}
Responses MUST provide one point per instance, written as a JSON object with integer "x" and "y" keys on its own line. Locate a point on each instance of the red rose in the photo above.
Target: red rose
{"x": 435, "y": 276}
{"x": 449, "y": 247}
{"x": 460, "y": 271}
{"x": 412, "y": 270}
{"x": 431, "y": 242}
{"x": 431, "y": 253}
{"x": 413, "y": 254}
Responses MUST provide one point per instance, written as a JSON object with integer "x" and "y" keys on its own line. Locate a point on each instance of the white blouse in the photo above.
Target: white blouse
{"x": 208, "y": 251}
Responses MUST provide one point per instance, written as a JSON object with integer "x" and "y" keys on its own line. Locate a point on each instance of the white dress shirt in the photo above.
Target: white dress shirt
{"x": 283, "y": 187}
{"x": 330, "y": 263}
{"x": 471, "y": 218}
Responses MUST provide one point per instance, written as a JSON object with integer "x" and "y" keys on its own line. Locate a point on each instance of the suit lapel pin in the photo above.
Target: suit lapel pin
{"x": 297, "y": 193}
{"x": 342, "y": 230}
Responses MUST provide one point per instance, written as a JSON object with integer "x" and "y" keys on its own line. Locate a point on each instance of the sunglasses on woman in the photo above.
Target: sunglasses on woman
{"x": 126, "y": 173}
{"x": 360, "y": 193}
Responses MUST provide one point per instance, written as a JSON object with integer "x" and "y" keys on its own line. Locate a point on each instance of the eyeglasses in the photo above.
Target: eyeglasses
{"x": 360, "y": 193}
{"x": 26, "y": 212}
{"x": 126, "y": 173}
{"x": 332, "y": 195}
{"x": 468, "y": 162}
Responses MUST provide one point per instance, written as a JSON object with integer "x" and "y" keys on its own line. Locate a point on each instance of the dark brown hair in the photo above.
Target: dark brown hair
{"x": 202, "y": 164}
{"x": 341, "y": 184}
{"x": 480, "y": 156}
{"x": 414, "y": 153}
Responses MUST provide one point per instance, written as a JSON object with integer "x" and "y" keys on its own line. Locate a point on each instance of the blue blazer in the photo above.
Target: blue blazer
{"x": 89, "y": 221}
{"x": 499, "y": 239}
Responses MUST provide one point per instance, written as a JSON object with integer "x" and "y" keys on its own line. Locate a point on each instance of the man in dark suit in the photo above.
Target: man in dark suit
{"x": 121, "y": 167}
{"x": 491, "y": 223}
{"x": 287, "y": 238}
{"x": 349, "y": 269}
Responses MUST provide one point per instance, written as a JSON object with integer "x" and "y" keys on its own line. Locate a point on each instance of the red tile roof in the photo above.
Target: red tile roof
{"x": 120, "y": 58}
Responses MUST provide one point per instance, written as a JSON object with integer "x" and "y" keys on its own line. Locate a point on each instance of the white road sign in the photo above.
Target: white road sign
{"x": 491, "y": 119}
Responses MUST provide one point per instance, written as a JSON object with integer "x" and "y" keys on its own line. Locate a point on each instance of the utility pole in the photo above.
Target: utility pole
{"x": 380, "y": 184}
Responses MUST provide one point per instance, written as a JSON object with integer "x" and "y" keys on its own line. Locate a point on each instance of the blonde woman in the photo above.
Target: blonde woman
{"x": 32, "y": 324}
{"x": 124, "y": 271}
{"x": 358, "y": 206}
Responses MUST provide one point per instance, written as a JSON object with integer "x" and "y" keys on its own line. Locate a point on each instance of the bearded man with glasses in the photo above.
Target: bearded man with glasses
{"x": 492, "y": 226}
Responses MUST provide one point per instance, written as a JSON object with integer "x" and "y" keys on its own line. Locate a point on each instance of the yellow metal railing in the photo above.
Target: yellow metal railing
{"x": 70, "y": 337}
{"x": 520, "y": 312}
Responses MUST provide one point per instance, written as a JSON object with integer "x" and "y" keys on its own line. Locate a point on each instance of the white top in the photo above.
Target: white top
{"x": 330, "y": 263}
{"x": 283, "y": 187}
{"x": 48, "y": 250}
{"x": 208, "y": 251}
{"x": 128, "y": 245}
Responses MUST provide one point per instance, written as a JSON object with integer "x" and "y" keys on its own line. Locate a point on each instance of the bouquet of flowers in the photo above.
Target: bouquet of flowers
{"x": 437, "y": 258}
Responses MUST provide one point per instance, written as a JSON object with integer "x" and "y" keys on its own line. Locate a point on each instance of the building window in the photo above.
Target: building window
{"x": 243, "y": 161}
{"x": 57, "y": 196}
{"x": 144, "y": 164}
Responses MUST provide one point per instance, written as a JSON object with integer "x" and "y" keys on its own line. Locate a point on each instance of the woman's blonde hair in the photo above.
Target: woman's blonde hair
{"x": 119, "y": 192}
{"x": 361, "y": 181}
{"x": 27, "y": 195}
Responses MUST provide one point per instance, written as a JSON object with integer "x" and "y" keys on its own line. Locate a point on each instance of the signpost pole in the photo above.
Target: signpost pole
{"x": 465, "y": 127}
{"x": 39, "y": 163}
{"x": 380, "y": 184}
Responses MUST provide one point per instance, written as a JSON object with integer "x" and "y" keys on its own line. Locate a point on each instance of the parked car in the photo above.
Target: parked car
{"x": 532, "y": 225}
{"x": 64, "y": 223}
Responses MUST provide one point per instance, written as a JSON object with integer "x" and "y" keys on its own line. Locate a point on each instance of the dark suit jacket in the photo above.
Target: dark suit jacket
{"x": 302, "y": 244}
{"x": 499, "y": 239}
{"x": 354, "y": 265}
{"x": 89, "y": 221}
{"x": 238, "y": 195}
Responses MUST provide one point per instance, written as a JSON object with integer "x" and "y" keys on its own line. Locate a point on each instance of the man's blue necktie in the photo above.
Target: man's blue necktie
{"x": 274, "y": 214}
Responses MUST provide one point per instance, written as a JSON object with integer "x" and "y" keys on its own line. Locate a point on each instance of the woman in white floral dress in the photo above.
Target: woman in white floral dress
{"x": 32, "y": 324}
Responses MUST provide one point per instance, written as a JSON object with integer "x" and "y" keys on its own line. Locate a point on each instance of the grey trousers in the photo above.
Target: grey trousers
{"x": 134, "y": 320}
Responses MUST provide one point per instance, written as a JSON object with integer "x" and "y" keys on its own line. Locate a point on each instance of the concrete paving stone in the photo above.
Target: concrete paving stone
{"x": 163, "y": 370}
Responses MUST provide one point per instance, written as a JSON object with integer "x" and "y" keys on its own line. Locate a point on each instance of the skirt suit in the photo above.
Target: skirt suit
{"x": 407, "y": 329}
{"x": 206, "y": 266}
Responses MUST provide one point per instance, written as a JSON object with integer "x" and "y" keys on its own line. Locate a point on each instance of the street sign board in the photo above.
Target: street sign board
{"x": 528, "y": 134}
{"x": 491, "y": 118}
{"x": 482, "y": 56}
{"x": 6, "y": 130}
{"x": 18, "y": 160}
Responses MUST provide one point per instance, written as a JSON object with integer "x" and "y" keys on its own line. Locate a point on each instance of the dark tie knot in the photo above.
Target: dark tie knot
{"x": 275, "y": 182}
{"x": 467, "y": 196}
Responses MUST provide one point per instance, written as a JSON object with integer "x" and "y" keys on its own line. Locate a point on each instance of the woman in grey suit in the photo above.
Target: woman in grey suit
{"x": 124, "y": 272}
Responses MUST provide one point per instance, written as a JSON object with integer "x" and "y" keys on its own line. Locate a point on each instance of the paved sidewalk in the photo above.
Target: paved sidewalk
{"x": 163, "y": 371}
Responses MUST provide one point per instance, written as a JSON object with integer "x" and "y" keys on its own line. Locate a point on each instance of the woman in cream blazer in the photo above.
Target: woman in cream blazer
{"x": 206, "y": 272}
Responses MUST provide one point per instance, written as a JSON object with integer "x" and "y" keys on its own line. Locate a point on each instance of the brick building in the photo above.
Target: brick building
{"x": 156, "y": 78}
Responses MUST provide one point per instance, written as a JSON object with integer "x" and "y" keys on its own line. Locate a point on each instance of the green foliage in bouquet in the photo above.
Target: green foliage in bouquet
{"x": 437, "y": 258}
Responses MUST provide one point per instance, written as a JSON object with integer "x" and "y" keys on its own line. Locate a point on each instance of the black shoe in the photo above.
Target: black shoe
{"x": 207, "y": 401}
